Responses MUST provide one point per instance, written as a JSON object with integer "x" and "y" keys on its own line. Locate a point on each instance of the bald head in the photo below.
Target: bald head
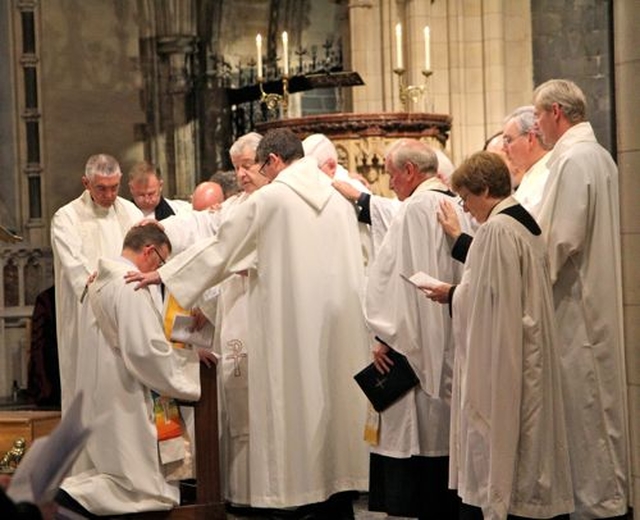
{"x": 205, "y": 195}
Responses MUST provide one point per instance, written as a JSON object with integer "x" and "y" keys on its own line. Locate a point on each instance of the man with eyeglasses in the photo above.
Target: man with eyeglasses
{"x": 145, "y": 185}
{"x": 297, "y": 240}
{"x": 134, "y": 370}
{"x": 85, "y": 229}
{"x": 524, "y": 148}
{"x": 225, "y": 305}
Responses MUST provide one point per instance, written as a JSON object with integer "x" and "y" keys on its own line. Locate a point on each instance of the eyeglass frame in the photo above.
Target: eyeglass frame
{"x": 163, "y": 260}
{"x": 264, "y": 164}
{"x": 507, "y": 140}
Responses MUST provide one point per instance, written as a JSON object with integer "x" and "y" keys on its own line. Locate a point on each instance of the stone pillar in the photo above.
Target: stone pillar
{"x": 168, "y": 45}
{"x": 371, "y": 31}
{"x": 627, "y": 70}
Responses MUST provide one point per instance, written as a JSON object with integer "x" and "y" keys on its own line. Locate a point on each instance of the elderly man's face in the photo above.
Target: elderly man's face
{"x": 146, "y": 193}
{"x": 247, "y": 171}
{"x": 546, "y": 123}
{"x": 103, "y": 189}
{"x": 399, "y": 180}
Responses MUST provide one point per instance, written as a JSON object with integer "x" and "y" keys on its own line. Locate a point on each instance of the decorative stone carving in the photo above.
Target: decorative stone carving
{"x": 361, "y": 139}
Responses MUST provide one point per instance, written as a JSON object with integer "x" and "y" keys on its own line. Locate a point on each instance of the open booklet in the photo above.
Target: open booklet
{"x": 182, "y": 333}
{"x": 422, "y": 281}
{"x": 49, "y": 459}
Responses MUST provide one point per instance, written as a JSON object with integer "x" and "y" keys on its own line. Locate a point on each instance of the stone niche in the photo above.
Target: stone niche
{"x": 361, "y": 139}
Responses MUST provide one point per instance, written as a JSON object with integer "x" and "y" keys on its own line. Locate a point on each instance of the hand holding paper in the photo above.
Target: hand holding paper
{"x": 435, "y": 289}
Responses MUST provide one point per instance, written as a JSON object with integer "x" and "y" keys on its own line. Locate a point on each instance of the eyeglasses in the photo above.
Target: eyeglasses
{"x": 508, "y": 140}
{"x": 161, "y": 258}
{"x": 462, "y": 200}
{"x": 264, "y": 164}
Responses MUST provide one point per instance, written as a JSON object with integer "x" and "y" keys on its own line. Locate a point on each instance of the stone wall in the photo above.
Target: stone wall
{"x": 574, "y": 40}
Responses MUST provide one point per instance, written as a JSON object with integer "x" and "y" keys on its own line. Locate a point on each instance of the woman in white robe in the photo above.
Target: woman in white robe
{"x": 509, "y": 454}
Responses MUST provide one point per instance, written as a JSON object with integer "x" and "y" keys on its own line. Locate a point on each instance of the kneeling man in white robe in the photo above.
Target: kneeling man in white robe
{"x": 131, "y": 360}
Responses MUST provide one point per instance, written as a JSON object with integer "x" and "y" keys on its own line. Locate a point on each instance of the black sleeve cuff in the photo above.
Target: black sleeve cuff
{"x": 364, "y": 203}
{"x": 461, "y": 247}
{"x": 451, "y": 291}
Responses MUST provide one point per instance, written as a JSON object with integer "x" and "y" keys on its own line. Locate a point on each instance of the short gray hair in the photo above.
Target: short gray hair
{"x": 415, "y": 152}
{"x": 103, "y": 165}
{"x": 566, "y": 94}
{"x": 248, "y": 142}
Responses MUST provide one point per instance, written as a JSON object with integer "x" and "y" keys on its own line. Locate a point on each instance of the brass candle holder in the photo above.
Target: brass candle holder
{"x": 411, "y": 94}
{"x": 273, "y": 100}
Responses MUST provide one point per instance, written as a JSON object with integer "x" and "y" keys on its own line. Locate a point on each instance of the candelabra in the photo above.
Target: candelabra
{"x": 412, "y": 93}
{"x": 273, "y": 100}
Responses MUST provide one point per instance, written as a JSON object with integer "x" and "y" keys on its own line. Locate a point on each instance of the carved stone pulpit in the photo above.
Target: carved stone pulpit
{"x": 361, "y": 139}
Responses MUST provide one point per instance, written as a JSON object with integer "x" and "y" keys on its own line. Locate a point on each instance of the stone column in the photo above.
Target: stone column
{"x": 168, "y": 45}
{"x": 371, "y": 25}
{"x": 627, "y": 70}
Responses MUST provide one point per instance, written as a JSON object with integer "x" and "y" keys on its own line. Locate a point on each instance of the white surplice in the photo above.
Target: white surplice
{"x": 579, "y": 217}
{"x": 82, "y": 232}
{"x": 130, "y": 358}
{"x": 298, "y": 240}
{"x": 405, "y": 319}
{"x": 531, "y": 188}
{"x": 509, "y": 451}
{"x": 382, "y": 211}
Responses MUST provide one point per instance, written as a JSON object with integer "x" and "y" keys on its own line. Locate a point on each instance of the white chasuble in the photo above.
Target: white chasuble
{"x": 299, "y": 240}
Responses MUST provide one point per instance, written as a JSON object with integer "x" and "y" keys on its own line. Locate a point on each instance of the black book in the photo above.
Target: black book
{"x": 385, "y": 389}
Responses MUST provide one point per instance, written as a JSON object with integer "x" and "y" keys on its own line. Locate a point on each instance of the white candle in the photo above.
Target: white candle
{"x": 427, "y": 48}
{"x": 399, "y": 63}
{"x": 285, "y": 53}
{"x": 259, "y": 60}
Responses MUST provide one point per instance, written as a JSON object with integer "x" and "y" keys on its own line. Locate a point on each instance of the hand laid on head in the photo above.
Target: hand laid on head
{"x": 346, "y": 190}
{"x": 448, "y": 219}
{"x": 438, "y": 293}
{"x": 207, "y": 358}
{"x": 149, "y": 221}
{"x": 381, "y": 361}
{"x": 143, "y": 279}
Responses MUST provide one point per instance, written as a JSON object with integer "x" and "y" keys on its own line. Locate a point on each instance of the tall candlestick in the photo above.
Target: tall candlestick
{"x": 259, "y": 60}
{"x": 399, "y": 63}
{"x": 427, "y": 48}
{"x": 285, "y": 52}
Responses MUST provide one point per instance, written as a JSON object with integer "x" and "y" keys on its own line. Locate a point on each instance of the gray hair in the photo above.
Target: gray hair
{"x": 320, "y": 147}
{"x": 566, "y": 94}
{"x": 103, "y": 165}
{"x": 415, "y": 152}
{"x": 228, "y": 181}
{"x": 248, "y": 142}
{"x": 525, "y": 120}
